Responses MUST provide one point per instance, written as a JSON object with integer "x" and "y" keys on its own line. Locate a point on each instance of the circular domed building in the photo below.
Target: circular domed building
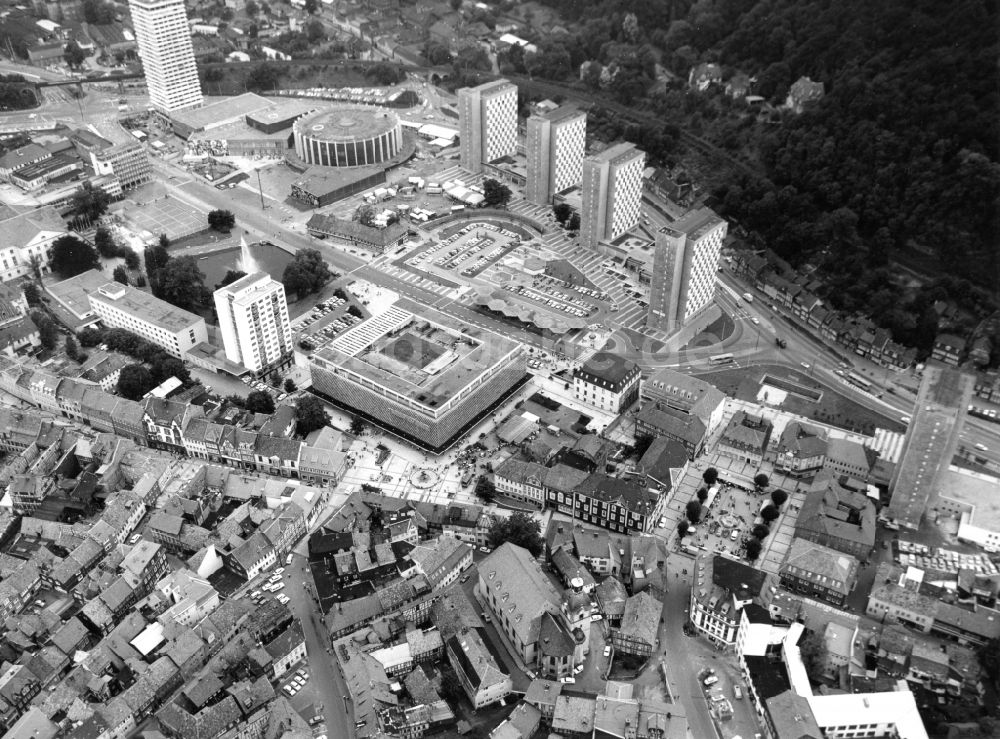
{"x": 348, "y": 136}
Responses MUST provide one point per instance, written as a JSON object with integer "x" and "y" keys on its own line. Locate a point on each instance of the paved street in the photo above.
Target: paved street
{"x": 325, "y": 677}
{"x": 685, "y": 656}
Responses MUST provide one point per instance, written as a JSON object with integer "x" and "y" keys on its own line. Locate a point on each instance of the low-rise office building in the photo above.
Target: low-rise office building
{"x": 169, "y": 327}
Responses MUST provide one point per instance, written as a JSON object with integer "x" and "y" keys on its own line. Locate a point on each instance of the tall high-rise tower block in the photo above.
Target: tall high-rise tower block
{"x": 487, "y": 123}
{"x": 685, "y": 266}
{"x": 556, "y": 146}
{"x": 253, "y": 320}
{"x": 164, "y": 40}
{"x": 612, "y": 193}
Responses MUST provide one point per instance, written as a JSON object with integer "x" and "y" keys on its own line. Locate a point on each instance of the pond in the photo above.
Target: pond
{"x": 264, "y": 257}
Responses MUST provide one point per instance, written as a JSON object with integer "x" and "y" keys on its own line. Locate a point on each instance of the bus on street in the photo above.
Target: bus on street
{"x": 721, "y": 359}
{"x": 858, "y": 381}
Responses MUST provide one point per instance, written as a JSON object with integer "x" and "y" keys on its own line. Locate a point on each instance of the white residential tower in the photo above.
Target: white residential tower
{"x": 555, "y": 148}
{"x": 253, "y": 319}
{"x": 487, "y": 123}
{"x": 164, "y": 40}
{"x": 612, "y": 193}
{"x": 685, "y": 267}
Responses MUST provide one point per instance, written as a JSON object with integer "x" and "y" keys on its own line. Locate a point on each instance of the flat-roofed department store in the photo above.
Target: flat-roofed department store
{"x": 427, "y": 381}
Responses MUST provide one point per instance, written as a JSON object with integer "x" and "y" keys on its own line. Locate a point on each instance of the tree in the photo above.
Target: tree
{"x": 455, "y": 4}
{"x": 72, "y": 349}
{"x": 357, "y": 426}
{"x": 311, "y": 6}
{"x": 260, "y": 401}
{"x": 682, "y": 528}
{"x": 91, "y": 336}
{"x": 311, "y": 414}
{"x": 90, "y": 202}
{"x": 164, "y": 241}
{"x": 306, "y": 273}
{"x": 437, "y": 54}
{"x": 105, "y": 243}
{"x": 71, "y": 256}
{"x": 769, "y": 513}
{"x": 753, "y": 549}
{"x": 140, "y": 281}
{"x": 495, "y": 194}
{"x": 135, "y": 381}
{"x": 778, "y": 497}
{"x": 221, "y": 220}
{"x": 812, "y": 649}
{"x": 485, "y": 489}
{"x": 252, "y": 8}
{"x": 702, "y": 495}
{"x": 98, "y": 11}
{"x": 35, "y": 265}
{"x": 74, "y": 55}
{"x": 130, "y": 257}
{"x": 520, "y": 529}
{"x": 355, "y": 311}
{"x": 761, "y": 531}
{"x": 31, "y": 293}
{"x": 760, "y": 480}
{"x": 181, "y": 283}
{"x": 156, "y": 256}
{"x": 163, "y": 367}
{"x": 290, "y": 386}
{"x": 710, "y": 476}
{"x": 48, "y": 331}
{"x": 693, "y": 511}
{"x": 232, "y": 275}
{"x": 562, "y": 212}
{"x": 120, "y": 275}
{"x": 364, "y": 214}
{"x": 573, "y": 222}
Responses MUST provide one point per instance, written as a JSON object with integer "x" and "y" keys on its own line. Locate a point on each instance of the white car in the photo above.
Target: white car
{"x": 283, "y": 599}
{"x": 597, "y": 617}
{"x": 279, "y": 571}
{"x": 607, "y": 651}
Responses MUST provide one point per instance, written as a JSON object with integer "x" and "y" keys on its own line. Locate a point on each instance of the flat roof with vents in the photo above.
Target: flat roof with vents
{"x": 417, "y": 360}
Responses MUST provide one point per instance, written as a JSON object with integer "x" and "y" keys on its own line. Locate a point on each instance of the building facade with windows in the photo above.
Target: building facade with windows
{"x": 607, "y": 382}
{"x": 556, "y": 145}
{"x": 173, "y": 329}
{"x": 164, "y": 40}
{"x": 487, "y": 121}
{"x": 685, "y": 268}
{"x": 28, "y": 239}
{"x": 612, "y": 193}
{"x": 253, "y": 319}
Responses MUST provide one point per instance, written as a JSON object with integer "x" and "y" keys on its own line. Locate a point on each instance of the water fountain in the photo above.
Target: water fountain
{"x": 247, "y": 262}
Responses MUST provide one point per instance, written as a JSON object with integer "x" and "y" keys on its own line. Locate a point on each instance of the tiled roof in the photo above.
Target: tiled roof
{"x": 521, "y": 590}
{"x": 641, "y": 619}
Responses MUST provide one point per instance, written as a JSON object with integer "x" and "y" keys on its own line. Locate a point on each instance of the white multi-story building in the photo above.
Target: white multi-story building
{"x": 487, "y": 122}
{"x": 174, "y": 329}
{"x": 253, "y": 319}
{"x": 685, "y": 265}
{"x": 29, "y": 237}
{"x": 164, "y": 40}
{"x": 556, "y": 146}
{"x": 612, "y": 193}
{"x": 607, "y": 382}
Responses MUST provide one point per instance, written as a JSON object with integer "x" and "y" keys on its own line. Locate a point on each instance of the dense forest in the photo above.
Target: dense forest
{"x": 897, "y": 162}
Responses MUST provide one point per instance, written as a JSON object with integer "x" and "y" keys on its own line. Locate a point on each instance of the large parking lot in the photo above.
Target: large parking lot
{"x": 326, "y": 322}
